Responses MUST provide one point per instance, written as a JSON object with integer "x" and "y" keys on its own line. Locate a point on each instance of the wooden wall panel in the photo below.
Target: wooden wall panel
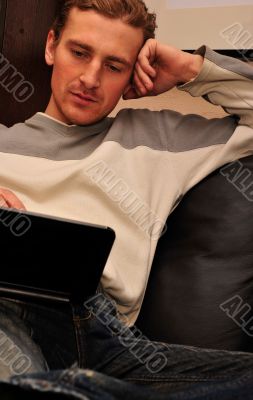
{"x": 26, "y": 26}
{"x": 2, "y": 20}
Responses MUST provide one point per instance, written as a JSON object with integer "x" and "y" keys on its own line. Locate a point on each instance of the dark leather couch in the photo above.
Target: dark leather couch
{"x": 206, "y": 255}
{"x": 205, "y": 259}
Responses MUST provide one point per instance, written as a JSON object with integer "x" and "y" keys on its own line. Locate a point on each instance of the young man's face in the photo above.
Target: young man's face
{"x": 86, "y": 62}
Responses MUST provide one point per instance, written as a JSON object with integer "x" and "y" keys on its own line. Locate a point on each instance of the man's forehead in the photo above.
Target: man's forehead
{"x": 96, "y": 30}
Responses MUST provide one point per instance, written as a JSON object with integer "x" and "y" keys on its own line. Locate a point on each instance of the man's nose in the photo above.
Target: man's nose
{"x": 91, "y": 76}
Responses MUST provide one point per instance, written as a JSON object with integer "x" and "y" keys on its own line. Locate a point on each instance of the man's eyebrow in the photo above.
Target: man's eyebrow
{"x": 89, "y": 48}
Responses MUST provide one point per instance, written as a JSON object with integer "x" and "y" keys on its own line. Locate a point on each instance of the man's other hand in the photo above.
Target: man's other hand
{"x": 9, "y": 200}
{"x": 159, "y": 68}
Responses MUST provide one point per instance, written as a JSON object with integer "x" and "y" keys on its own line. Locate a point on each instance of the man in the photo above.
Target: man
{"x": 75, "y": 162}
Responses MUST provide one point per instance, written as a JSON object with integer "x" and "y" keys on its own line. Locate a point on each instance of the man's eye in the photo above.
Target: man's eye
{"x": 78, "y": 54}
{"x": 114, "y": 69}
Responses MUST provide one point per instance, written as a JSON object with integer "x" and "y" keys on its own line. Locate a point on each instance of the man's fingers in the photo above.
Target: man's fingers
{"x": 11, "y": 200}
{"x": 148, "y": 52}
{"x": 130, "y": 94}
{"x": 144, "y": 63}
{"x": 140, "y": 88}
{"x": 137, "y": 90}
{"x": 144, "y": 78}
{"x": 3, "y": 202}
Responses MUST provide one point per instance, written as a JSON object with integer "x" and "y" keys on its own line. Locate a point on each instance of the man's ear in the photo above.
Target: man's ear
{"x": 50, "y": 48}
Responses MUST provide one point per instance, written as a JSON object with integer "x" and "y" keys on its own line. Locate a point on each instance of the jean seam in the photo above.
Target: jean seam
{"x": 80, "y": 335}
{"x": 90, "y": 316}
{"x": 179, "y": 378}
{"x": 76, "y": 323}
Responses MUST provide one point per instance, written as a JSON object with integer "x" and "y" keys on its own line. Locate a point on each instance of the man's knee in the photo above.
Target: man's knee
{"x": 19, "y": 354}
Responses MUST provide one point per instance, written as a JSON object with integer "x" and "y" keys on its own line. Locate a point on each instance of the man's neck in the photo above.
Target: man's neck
{"x": 54, "y": 119}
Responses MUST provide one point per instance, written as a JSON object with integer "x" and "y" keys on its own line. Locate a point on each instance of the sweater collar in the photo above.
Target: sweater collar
{"x": 44, "y": 120}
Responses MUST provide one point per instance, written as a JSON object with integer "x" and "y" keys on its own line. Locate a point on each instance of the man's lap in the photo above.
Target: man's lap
{"x": 19, "y": 354}
{"x": 79, "y": 384}
{"x": 110, "y": 354}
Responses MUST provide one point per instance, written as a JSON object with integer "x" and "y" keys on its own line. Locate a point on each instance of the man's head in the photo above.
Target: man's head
{"x": 93, "y": 46}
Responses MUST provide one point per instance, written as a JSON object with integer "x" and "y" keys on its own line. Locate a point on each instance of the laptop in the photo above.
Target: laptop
{"x": 51, "y": 258}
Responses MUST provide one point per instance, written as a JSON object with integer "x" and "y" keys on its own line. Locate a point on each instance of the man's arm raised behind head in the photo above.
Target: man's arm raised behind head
{"x": 160, "y": 67}
{"x": 221, "y": 80}
{"x": 226, "y": 82}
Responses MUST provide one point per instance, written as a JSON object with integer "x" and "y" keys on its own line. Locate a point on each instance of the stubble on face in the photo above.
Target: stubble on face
{"x": 91, "y": 76}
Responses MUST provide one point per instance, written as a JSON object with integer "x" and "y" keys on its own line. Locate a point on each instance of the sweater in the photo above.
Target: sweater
{"x": 131, "y": 171}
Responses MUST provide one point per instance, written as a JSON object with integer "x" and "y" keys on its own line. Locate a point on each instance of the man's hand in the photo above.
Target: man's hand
{"x": 9, "y": 200}
{"x": 159, "y": 68}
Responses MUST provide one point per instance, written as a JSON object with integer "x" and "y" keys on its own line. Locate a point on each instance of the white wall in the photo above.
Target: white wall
{"x": 174, "y": 100}
{"x": 207, "y": 20}
{"x": 221, "y": 24}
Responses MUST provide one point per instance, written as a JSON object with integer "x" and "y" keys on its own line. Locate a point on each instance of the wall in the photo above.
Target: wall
{"x": 25, "y": 31}
{"x": 174, "y": 100}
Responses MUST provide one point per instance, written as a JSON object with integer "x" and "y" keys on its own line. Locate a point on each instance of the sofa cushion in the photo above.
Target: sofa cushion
{"x": 201, "y": 281}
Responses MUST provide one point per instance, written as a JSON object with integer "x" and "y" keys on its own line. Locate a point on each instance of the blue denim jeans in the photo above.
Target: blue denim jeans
{"x": 87, "y": 352}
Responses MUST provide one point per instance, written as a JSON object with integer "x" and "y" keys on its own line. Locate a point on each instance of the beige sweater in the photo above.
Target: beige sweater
{"x": 129, "y": 172}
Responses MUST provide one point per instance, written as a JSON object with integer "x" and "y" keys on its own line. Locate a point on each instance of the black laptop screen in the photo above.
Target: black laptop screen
{"x": 52, "y": 255}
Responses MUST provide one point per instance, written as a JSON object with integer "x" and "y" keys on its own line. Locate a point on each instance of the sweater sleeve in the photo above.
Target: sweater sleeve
{"x": 224, "y": 81}
{"x": 197, "y": 145}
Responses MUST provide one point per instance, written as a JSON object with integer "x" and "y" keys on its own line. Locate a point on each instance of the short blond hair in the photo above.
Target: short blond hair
{"x": 133, "y": 12}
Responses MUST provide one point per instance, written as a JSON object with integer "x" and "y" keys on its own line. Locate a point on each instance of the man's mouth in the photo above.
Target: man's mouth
{"x": 84, "y": 98}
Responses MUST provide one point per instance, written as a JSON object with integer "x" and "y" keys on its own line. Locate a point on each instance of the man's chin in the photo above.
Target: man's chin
{"x": 87, "y": 122}
{"x": 84, "y": 119}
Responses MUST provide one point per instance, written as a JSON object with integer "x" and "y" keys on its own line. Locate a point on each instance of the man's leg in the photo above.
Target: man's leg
{"x": 46, "y": 327}
{"x": 105, "y": 345}
{"x": 28, "y": 327}
{"x": 18, "y": 352}
{"x": 112, "y": 349}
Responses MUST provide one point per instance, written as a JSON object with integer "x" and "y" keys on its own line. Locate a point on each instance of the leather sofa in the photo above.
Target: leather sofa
{"x": 200, "y": 291}
{"x": 204, "y": 259}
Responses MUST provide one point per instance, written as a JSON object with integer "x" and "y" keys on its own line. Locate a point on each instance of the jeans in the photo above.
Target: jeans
{"x": 87, "y": 352}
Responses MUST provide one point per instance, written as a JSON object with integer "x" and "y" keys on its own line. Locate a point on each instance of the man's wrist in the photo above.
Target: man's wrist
{"x": 192, "y": 67}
